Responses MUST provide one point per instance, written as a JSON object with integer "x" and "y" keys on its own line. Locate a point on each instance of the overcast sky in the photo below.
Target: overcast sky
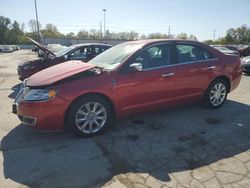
{"x": 196, "y": 17}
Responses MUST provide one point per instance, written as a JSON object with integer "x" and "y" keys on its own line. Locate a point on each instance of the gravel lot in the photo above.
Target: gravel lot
{"x": 185, "y": 146}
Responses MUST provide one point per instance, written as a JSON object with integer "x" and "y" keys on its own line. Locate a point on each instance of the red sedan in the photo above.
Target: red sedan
{"x": 129, "y": 78}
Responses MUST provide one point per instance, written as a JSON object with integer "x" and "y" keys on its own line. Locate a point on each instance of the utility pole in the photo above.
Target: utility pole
{"x": 37, "y": 23}
{"x": 100, "y": 29}
{"x": 104, "y": 22}
{"x": 214, "y": 35}
{"x": 169, "y": 32}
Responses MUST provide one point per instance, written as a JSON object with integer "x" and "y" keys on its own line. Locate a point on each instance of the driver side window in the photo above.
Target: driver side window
{"x": 80, "y": 53}
{"x": 153, "y": 57}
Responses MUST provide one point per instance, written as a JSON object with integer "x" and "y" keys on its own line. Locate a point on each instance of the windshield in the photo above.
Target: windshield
{"x": 64, "y": 51}
{"x": 114, "y": 56}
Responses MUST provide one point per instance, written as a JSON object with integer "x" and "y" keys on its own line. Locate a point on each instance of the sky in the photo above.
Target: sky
{"x": 197, "y": 17}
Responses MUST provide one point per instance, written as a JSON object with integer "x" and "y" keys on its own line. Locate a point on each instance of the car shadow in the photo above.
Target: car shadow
{"x": 179, "y": 139}
{"x": 174, "y": 140}
{"x": 15, "y": 90}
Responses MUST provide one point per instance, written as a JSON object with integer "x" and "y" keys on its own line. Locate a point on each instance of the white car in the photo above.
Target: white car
{"x": 245, "y": 62}
{"x": 7, "y": 48}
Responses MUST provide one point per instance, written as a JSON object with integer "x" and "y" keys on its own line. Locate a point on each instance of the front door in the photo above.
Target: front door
{"x": 153, "y": 86}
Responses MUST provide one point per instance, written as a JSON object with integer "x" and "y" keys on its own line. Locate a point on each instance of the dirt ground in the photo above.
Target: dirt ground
{"x": 184, "y": 146}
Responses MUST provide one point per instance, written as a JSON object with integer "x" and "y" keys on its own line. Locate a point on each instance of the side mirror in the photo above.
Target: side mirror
{"x": 65, "y": 56}
{"x": 135, "y": 67}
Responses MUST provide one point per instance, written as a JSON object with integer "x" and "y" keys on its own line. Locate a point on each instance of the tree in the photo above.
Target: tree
{"x": 238, "y": 35}
{"x": 157, "y": 36}
{"x": 83, "y": 34}
{"x": 94, "y": 34}
{"x": 51, "y": 31}
{"x": 4, "y": 29}
{"x": 133, "y": 35}
{"x": 70, "y": 35}
{"x": 182, "y": 36}
{"x": 143, "y": 36}
{"x": 192, "y": 37}
{"x": 14, "y": 34}
{"x": 33, "y": 25}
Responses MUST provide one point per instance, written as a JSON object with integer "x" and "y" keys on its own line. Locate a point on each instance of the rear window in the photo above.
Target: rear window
{"x": 189, "y": 53}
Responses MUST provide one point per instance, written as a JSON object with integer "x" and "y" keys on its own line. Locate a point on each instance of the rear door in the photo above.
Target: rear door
{"x": 154, "y": 86}
{"x": 194, "y": 71}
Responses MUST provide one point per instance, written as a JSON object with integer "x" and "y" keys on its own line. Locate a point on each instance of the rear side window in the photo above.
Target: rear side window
{"x": 100, "y": 49}
{"x": 189, "y": 53}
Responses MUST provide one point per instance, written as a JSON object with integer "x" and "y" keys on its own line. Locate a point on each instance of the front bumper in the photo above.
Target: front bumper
{"x": 41, "y": 115}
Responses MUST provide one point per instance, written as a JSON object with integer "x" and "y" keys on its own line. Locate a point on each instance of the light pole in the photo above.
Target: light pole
{"x": 37, "y": 24}
{"x": 104, "y": 22}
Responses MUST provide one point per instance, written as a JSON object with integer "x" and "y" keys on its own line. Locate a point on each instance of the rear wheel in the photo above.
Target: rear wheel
{"x": 89, "y": 116}
{"x": 216, "y": 94}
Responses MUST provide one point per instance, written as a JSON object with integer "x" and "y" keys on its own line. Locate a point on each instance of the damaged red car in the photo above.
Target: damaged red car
{"x": 129, "y": 78}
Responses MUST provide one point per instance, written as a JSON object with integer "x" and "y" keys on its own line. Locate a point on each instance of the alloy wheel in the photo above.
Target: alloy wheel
{"x": 218, "y": 94}
{"x": 91, "y": 117}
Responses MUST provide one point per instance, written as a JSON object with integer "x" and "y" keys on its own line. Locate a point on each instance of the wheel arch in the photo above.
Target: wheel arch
{"x": 105, "y": 97}
{"x": 225, "y": 79}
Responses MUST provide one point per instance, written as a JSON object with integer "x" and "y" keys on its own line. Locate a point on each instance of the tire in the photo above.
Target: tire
{"x": 89, "y": 116}
{"x": 216, "y": 94}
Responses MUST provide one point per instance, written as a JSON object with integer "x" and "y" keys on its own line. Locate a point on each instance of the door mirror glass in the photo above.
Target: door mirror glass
{"x": 135, "y": 67}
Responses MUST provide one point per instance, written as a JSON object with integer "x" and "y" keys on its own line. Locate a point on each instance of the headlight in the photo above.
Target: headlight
{"x": 40, "y": 94}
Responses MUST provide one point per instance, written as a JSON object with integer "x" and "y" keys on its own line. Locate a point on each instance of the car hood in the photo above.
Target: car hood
{"x": 41, "y": 47}
{"x": 57, "y": 72}
{"x": 31, "y": 63}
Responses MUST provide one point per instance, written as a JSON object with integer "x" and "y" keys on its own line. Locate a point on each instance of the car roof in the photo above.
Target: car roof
{"x": 151, "y": 41}
{"x": 91, "y": 44}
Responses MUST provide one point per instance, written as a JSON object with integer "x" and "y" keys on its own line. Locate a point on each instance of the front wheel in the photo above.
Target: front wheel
{"x": 89, "y": 116}
{"x": 216, "y": 94}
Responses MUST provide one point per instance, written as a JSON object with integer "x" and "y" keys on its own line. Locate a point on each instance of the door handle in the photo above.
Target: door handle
{"x": 211, "y": 67}
{"x": 168, "y": 74}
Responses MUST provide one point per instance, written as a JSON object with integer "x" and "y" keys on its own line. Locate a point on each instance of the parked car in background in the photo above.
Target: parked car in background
{"x": 244, "y": 50}
{"x": 246, "y": 65}
{"x": 7, "y": 48}
{"x": 226, "y": 50}
{"x": 83, "y": 52}
{"x": 15, "y": 47}
{"x": 132, "y": 77}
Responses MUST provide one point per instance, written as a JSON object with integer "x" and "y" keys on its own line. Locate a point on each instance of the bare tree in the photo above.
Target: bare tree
{"x": 33, "y": 25}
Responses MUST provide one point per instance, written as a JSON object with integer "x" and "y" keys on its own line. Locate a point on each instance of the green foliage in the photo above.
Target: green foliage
{"x": 51, "y": 31}
{"x": 4, "y": 29}
{"x": 10, "y": 33}
{"x": 240, "y": 35}
{"x": 13, "y": 33}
